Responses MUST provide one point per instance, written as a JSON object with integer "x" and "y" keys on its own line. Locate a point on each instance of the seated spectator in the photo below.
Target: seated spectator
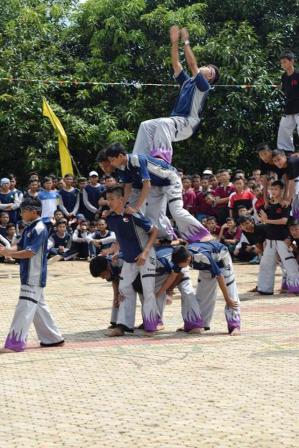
{"x": 294, "y": 236}
{"x": 81, "y": 241}
{"x": 10, "y": 232}
{"x": 242, "y": 211}
{"x": 4, "y": 242}
{"x": 4, "y": 220}
{"x": 189, "y": 196}
{"x": 102, "y": 238}
{"x": 230, "y": 234}
{"x": 60, "y": 240}
{"x": 212, "y": 226}
{"x": 241, "y": 196}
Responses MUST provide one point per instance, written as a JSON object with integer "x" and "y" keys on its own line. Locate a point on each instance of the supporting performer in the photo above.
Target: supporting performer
{"x": 155, "y": 137}
{"x": 31, "y": 307}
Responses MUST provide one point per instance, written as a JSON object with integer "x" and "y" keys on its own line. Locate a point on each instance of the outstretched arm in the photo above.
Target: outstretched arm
{"x": 190, "y": 58}
{"x": 174, "y": 33}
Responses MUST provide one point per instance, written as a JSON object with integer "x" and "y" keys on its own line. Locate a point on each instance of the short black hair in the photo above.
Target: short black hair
{"x": 10, "y": 225}
{"x": 115, "y": 149}
{"x": 287, "y": 54}
{"x": 46, "y": 179}
{"x": 180, "y": 254}
{"x": 97, "y": 265}
{"x": 102, "y": 156}
{"x": 277, "y": 183}
{"x": 61, "y": 221}
{"x": 211, "y": 218}
{"x": 239, "y": 206}
{"x": 245, "y": 218}
{"x": 35, "y": 203}
{"x": 278, "y": 152}
{"x": 68, "y": 175}
{"x": 293, "y": 222}
{"x": 217, "y": 74}
{"x": 117, "y": 190}
{"x": 263, "y": 147}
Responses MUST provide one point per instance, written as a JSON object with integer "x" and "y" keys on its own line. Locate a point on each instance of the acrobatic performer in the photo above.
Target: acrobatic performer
{"x": 155, "y": 137}
{"x": 214, "y": 262}
{"x": 31, "y": 307}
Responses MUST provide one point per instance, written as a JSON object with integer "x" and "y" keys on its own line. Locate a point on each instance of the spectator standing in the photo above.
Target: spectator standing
{"x": 91, "y": 195}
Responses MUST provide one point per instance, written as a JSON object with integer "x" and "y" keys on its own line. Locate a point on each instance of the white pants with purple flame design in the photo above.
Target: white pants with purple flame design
{"x": 268, "y": 266}
{"x": 155, "y": 137}
{"x": 127, "y": 308}
{"x": 31, "y": 307}
{"x": 206, "y": 294}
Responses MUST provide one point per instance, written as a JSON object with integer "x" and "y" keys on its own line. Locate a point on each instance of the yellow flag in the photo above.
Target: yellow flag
{"x": 64, "y": 153}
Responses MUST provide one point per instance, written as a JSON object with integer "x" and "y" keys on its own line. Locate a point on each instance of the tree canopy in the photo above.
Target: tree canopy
{"x": 127, "y": 40}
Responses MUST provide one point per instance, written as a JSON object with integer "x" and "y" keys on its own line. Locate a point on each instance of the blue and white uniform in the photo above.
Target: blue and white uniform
{"x": 31, "y": 306}
{"x": 132, "y": 235}
{"x": 91, "y": 196}
{"x": 155, "y": 136}
{"x": 49, "y": 200}
{"x": 190, "y": 307}
{"x": 212, "y": 259}
{"x": 166, "y": 188}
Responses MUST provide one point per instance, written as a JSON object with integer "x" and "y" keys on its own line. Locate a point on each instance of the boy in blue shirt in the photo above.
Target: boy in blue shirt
{"x": 135, "y": 235}
{"x": 213, "y": 261}
{"x": 32, "y": 253}
{"x": 155, "y": 136}
{"x": 156, "y": 184}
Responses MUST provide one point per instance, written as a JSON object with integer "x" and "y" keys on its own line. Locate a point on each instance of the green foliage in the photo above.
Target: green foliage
{"x": 127, "y": 40}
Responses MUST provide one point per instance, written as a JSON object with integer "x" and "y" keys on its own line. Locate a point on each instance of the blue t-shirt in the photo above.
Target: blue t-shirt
{"x": 140, "y": 168}
{"x": 208, "y": 256}
{"x": 131, "y": 233}
{"x": 10, "y": 198}
{"x": 192, "y": 97}
{"x": 164, "y": 262}
{"x": 33, "y": 271}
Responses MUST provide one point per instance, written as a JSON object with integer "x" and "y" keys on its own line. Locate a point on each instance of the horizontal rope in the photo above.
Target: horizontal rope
{"x": 135, "y": 84}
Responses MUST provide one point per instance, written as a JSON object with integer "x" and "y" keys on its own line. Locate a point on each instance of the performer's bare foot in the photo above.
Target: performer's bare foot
{"x": 180, "y": 329}
{"x": 6, "y": 350}
{"x": 115, "y": 332}
{"x": 160, "y": 327}
{"x": 196, "y": 331}
{"x": 235, "y": 332}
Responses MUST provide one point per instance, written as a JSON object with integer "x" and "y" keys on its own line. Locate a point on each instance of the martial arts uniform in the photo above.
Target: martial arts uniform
{"x": 31, "y": 306}
{"x": 290, "y": 120}
{"x": 155, "y": 137}
{"x": 132, "y": 235}
{"x": 275, "y": 245}
{"x": 292, "y": 173}
{"x": 189, "y": 304}
{"x": 166, "y": 188}
{"x": 212, "y": 259}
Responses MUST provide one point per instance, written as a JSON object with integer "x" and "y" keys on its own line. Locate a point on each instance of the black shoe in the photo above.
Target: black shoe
{"x": 54, "y": 344}
{"x": 207, "y": 328}
{"x": 262, "y": 293}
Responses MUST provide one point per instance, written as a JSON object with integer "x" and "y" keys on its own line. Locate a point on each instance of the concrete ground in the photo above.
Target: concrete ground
{"x": 170, "y": 391}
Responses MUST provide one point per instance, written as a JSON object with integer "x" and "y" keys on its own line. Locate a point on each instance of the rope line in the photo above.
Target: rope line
{"x": 135, "y": 84}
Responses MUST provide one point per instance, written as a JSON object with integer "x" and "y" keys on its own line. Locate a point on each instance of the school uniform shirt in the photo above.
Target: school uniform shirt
{"x": 258, "y": 235}
{"x": 244, "y": 198}
{"x": 108, "y": 234}
{"x": 33, "y": 271}
{"x": 201, "y": 205}
{"x": 3, "y": 231}
{"x": 274, "y": 231}
{"x": 69, "y": 200}
{"x": 290, "y": 88}
{"x": 140, "y": 168}
{"x": 189, "y": 199}
{"x": 49, "y": 200}
{"x": 224, "y": 192}
{"x": 11, "y": 197}
{"x": 91, "y": 196}
{"x": 131, "y": 233}
{"x": 55, "y": 240}
{"x": 208, "y": 256}
{"x": 192, "y": 96}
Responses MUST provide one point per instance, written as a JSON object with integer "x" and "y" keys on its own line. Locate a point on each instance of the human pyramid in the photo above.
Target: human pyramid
{"x": 148, "y": 258}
